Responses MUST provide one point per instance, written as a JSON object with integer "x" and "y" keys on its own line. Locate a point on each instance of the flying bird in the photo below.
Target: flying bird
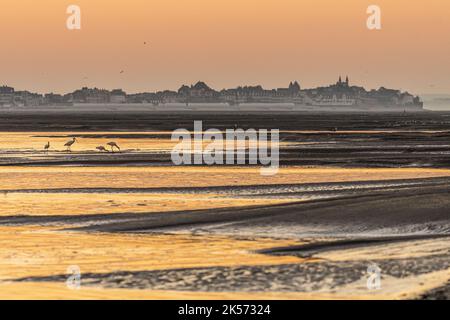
{"x": 113, "y": 145}
{"x": 70, "y": 143}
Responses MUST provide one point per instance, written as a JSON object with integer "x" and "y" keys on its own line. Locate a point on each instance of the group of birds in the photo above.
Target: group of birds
{"x": 69, "y": 144}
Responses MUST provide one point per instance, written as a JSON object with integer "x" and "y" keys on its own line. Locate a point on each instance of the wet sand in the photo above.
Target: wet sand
{"x": 375, "y": 191}
{"x": 389, "y": 149}
{"x": 368, "y": 217}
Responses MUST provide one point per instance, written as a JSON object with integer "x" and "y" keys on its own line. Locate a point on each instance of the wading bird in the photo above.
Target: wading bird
{"x": 101, "y": 149}
{"x": 47, "y": 146}
{"x": 113, "y": 145}
{"x": 70, "y": 143}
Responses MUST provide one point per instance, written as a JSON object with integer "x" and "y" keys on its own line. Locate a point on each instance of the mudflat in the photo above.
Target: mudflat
{"x": 353, "y": 190}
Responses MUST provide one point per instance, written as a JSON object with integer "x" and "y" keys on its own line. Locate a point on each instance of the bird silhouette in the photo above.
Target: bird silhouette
{"x": 70, "y": 143}
{"x": 47, "y": 146}
{"x": 101, "y": 149}
{"x": 113, "y": 145}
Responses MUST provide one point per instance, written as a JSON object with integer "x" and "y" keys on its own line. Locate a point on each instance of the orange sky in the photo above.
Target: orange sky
{"x": 225, "y": 43}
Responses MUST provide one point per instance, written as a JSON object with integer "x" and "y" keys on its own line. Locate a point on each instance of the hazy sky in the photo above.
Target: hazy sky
{"x": 225, "y": 43}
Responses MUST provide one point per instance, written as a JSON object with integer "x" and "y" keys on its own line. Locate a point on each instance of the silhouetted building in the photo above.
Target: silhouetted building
{"x": 118, "y": 96}
{"x": 6, "y": 95}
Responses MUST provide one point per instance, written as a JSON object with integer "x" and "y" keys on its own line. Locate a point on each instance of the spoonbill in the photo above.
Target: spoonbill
{"x": 70, "y": 143}
{"x": 101, "y": 149}
{"x": 47, "y": 146}
{"x": 113, "y": 145}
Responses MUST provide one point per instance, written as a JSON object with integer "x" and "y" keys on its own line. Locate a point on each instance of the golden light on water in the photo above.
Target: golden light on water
{"x": 48, "y": 177}
{"x": 72, "y": 204}
{"x": 40, "y": 249}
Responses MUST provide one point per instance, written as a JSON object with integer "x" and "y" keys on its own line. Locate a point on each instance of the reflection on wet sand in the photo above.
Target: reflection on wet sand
{"x": 39, "y": 247}
{"x": 67, "y": 204}
{"x": 39, "y": 251}
{"x": 17, "y": 178}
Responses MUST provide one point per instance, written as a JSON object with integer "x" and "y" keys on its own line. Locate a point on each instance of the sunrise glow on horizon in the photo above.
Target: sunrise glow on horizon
{"x": 143, "y": 45}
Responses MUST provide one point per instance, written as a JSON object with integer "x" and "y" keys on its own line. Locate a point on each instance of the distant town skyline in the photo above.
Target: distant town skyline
{"x": 152, "y": 45}
{"x": 341, "y": 94}
{"x": 177, "y": 86}
{"x": 186, "y": 83}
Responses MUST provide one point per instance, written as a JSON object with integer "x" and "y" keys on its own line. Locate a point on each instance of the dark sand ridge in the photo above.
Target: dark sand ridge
{"x": 84, "y": 119}
{"x": 394, "y": 208}
{"x": 267, "y": 190}
{"x": 417, "y": 210}
{"x": 304, "y": 277}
